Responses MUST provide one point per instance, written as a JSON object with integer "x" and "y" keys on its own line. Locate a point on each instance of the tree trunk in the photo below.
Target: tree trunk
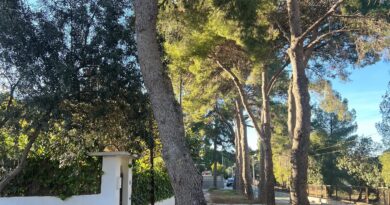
{"x": 291, "y": 111}
{"x": 215, "y": 162}
{"x": 262, "y": 182}
{"x": 301, "y": 130}
{"x": 245, "y": 163}
{"x": 185, "y": 179}
{"x": 266, "y": 131}
{"x": 238, "y": 176}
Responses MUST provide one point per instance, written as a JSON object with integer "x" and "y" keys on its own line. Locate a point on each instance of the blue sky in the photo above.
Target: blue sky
{"x": 364, "y": 92}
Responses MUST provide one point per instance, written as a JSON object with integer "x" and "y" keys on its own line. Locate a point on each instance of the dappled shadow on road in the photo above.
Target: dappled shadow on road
{"x": 228, "y": 197}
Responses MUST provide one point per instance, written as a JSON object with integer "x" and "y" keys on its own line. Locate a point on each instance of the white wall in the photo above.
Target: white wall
{"x": 170, "y": 201}
{"x": 49, "y": 200}
{"x": 109, "y": 191}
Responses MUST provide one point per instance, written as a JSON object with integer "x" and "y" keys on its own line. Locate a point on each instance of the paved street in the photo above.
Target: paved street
{"x": 282, "y": 198}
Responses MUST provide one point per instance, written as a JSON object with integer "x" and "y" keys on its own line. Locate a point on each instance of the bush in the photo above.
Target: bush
{"x": 45, "y": 177}
{"x": 141, "y": 187}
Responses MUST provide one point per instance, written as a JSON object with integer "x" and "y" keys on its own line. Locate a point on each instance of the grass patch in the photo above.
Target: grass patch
{"x": 229, "y": 197}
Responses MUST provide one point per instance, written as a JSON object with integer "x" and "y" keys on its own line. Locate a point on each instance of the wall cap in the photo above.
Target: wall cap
{"x": 110, "y": 154}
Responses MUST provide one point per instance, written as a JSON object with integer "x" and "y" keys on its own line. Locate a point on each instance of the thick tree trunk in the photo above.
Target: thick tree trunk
{"x": 301, "y": 130}
{"x": 238, "y": 176}
{"x": 262, "y": 181}
{"x": 245, "y": 163}
{"x": 269, "y": 174}
{"x": 266, "y": 131}
{"x": 185, "y": 179}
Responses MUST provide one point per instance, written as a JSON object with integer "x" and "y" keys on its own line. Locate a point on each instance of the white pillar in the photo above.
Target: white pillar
{"x": 115, "y": 163}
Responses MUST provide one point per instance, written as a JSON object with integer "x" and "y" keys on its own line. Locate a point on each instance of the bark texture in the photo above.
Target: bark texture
{"x": 262, "y": 182}
{"x": 185, "y": 179}
{"x": 246, "y": 177}
{"x": 238, "y": 181}
{"x": 300, "y": 125}
{"x": 267, "y": 148}
{"x": 264, "y": 132}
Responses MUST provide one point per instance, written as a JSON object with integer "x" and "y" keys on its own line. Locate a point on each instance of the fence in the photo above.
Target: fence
{"x": 351, "y": 193}
{"x": 384, "y": 196}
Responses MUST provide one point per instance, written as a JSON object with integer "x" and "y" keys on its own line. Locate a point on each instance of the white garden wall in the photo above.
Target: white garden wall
{"x": 170, "y": 201}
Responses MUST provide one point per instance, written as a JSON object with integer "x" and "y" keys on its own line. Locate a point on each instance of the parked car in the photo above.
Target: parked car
{"x": 229, "y": 182}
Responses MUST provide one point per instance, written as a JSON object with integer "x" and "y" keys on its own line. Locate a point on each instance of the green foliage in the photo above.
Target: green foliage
{"x": 330, "y": 100}
{"x": 141, "y": 185}
{"x": 315, "y": 175}
{"x": 334, "y": 126}
{"x": 282, "y": 168}
{"x": 45, "y": 177}
{"x": 383, "y": 127}
{"x": 280, "y": 143}
{"x": 360, "y": 163}
{"x": 385, "y": 161}
{"x": 221, "y": 170}
{"x": 79, "y": 66}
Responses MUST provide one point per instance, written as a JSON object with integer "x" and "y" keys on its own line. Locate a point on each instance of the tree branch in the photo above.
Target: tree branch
{"x": 321, "y": 37}
{"x": 23, "y": 159}
{"x": 276, "y": 76}
{"x": 284, "y": 32}
{"x": 243, "y": 98}
{"x": 224, "y": 120}
{"x": 319, "y": 21}
{"x": 348, "y": 16}
{"x": 9, "y": 103}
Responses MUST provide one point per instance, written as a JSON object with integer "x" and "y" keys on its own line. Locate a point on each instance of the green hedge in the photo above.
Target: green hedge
{"x": 45, "y": 177}
{"x": 142, "y": 188}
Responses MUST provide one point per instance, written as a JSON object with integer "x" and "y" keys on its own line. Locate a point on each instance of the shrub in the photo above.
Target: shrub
{"x": 45, "y": 177}
{"x": 141, "y": 187}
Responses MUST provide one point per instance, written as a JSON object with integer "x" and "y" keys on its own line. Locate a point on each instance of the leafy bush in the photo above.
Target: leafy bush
{"x": 45, "y": 177}
{"x": 141, "y": 186}
{"x": 385, "y": 161}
